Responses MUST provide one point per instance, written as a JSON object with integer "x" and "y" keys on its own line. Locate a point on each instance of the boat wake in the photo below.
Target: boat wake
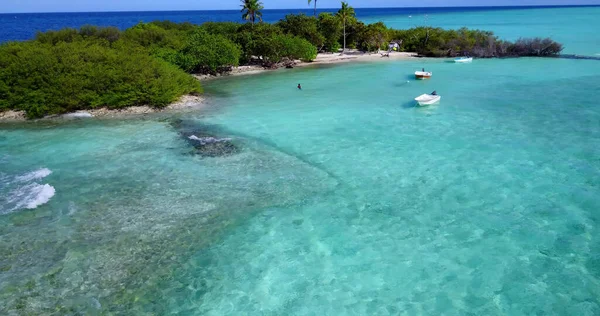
{"x": 24, "y": 192}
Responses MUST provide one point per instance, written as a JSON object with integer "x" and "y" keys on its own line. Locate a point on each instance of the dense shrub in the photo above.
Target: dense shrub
{"x": 303, "y": 26}
{"x": 207, "y": 53}
{"x": 54, "y": 37}
{"x": 154, "y": 36}
{"x": 168, "y": 25}
{"x": 86, "y": 32}
{"x": 437, "y": 42}
{"x": 276, "y": 48}
{"x": 535, "y": 47}
{"x": 248, "y": 34}
{"x": 111, "y": 34}
{"x": 226, "y": 29}
{"x": 354, "y": 29}
{"x": 373, "y": 37}
{"x": 44, "y": 79}
{"x": 330, "y": 27}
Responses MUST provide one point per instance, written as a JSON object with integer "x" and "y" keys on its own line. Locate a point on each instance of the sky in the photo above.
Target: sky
{"x": 14, "y": 6}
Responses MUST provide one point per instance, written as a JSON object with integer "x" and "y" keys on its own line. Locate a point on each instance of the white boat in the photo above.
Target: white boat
{"x": 462, "y": 60}
{"x": 428, "y": 99}
{"x": 421, "y": 75}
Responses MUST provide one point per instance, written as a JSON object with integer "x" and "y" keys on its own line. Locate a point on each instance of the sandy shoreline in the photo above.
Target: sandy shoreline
{"x": 189, "y": 102}
{"x": 322, "y": 59}
{"x": 186, "y": 102}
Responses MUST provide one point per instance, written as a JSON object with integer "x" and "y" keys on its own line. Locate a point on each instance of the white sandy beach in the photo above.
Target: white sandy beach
{"x": 322, "y": 59}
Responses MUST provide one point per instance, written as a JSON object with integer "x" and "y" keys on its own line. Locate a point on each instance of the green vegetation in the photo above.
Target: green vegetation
{"x": 347, "y": 15}
{"x": 252, "y": 10}
{"x": 437, "y": 42}
{"x": 207, "y": 53}
{"x": 303, "y": 26}
{"x": 331, "y": 29}
{"x": 67, "y": 70}
{"x": 43, "y": 79}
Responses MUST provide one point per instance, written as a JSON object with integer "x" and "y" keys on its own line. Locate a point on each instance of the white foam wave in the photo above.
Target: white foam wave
{"x": 38, "y": 174}
{"x": 44, "y": 194}
{"x": 208, "y": 140}
{"x": 24, "y": 191}
{"x": 78, "y": 114}
{"x": 30, "y": 196}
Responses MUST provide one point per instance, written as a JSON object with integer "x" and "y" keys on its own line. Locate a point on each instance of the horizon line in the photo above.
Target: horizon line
{"x": 322, "y": 9}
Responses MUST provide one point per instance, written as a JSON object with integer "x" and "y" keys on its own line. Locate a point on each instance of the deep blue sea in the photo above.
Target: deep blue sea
{"x": 23, "y": 26}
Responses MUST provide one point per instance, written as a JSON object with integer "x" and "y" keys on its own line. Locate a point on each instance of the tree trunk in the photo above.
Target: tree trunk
{"x": 315, "y": 8}
{"x": 344, "y": 50}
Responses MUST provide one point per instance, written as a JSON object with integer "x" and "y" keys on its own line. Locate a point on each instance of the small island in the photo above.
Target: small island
{"x": 151, "y": 64}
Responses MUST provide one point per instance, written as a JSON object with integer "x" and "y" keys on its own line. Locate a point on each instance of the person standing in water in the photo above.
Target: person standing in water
{"x": 299, "y": 87}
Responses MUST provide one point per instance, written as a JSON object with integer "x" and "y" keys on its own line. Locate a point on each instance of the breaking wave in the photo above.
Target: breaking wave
{"x": 23, "y": 192}
{"x": 31, "y": 196}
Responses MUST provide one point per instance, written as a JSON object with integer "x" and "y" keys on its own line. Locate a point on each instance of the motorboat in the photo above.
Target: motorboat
{"x": 428, "y": 99}
{"x": 422, "y": 75}
{"x": 463, "y": 60}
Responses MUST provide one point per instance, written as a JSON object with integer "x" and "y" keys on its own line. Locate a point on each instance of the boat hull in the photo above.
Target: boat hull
{"x": 427, "y": 99}
{"x": 422, "y": 75}
{"x": 463, "y": 60}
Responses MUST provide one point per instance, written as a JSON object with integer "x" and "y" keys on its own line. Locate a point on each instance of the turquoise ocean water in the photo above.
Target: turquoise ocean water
{"x": 342, "y": 199}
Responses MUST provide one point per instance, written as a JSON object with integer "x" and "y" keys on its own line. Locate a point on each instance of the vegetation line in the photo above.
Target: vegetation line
{"x": 148, "y": 64}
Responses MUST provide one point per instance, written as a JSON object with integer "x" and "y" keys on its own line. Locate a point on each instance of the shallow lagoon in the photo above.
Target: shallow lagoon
{"x": 343, "y": 199}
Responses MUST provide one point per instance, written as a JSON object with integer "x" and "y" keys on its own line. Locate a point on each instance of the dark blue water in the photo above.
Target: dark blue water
{"x": 23, "y": 26}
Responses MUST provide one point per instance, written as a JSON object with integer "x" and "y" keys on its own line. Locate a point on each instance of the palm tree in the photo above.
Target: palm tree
{"x": 252, "y": 10}
{"x": 309, "y": 1}
{"x": 346, "y": 13}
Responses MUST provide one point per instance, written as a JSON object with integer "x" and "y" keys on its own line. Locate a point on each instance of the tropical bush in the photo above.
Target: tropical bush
{"x": 207, "y": 53}
{"x": 274, "y": 49}
{"x": 153, "y": 35}
{"x": 330, "y": 27}
{"x": 226, "y": 29}
{"x": 249, "y": 35}
{"x": 303, "y": 26}
{"x": 437, "y": 42}
{"x": 86, "y": 32}
{"x": 373, "y": 37}
{"x": 534, "y": 47}
{"x": 43, "y": 79}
